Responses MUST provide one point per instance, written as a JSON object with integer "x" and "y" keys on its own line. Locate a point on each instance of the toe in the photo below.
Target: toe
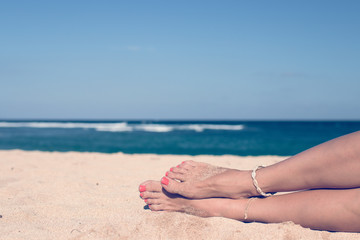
{"x": 142, "y": 186}
{"x": 178, "y": 169}
{"x": 171, "y": 185}
{"x": 150, "y": 186}
{"x": 155, "y": 207}
{"x": 187, "y": 164}
{"x": 176, "y": 176}
{"x": 153, "y": 201}
{"x": 187, "y": 167}
{"x": 190, "y": 162}
{"x": 146, "y": 195}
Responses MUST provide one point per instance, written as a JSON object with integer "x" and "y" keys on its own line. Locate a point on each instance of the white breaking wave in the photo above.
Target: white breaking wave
{"x": 108, "y": 127}
{"x": 202, "y": 127}
{"x": 123, "y": 126}
{"x": 154, "y": 127}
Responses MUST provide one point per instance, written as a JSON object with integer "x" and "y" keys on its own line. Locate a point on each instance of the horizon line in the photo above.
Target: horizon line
{"x": 183, "y": 119}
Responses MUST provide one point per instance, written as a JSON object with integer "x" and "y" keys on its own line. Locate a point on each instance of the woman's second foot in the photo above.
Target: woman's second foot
{"x": 159, "y": 199}
{"x": 200, "y": 180}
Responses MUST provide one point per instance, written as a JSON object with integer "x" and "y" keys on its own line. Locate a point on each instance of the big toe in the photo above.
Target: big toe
{"x": 173, "y": 186}
{"x": 151, "y": 186}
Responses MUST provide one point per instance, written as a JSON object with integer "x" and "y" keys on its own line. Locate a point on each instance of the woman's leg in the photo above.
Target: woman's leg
{"x": 333, "y": 164}
{"x": 335, "y": 210}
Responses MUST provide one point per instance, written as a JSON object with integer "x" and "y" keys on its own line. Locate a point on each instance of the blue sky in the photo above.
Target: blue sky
{"x": 180, "y": 59}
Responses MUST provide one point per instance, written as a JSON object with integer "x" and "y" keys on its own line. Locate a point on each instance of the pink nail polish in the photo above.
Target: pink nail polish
{"x": 145, "y": 200}
{"x": 178, "y": 165}
{"x": 141, "y": 194}
{"x": 183, "y": 162}
{"x": 165, "y": 181}
{"x": 167, "y": 173}
{"x": 142, "y": 188}
{"x": 171, "y": 169}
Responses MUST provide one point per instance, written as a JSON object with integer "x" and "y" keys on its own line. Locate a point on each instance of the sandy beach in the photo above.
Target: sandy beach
{"x": 52, "y": 195}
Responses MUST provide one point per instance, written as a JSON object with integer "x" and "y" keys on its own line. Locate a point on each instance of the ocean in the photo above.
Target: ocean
{"x": 242, "y": 138}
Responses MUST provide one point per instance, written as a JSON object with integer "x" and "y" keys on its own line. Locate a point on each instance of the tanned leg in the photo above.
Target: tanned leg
{"x": 334, "y": 210}
{"x": 333, "y": 164}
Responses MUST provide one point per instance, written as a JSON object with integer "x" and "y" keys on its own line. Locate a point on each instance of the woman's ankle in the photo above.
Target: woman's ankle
{"x": 233, "y": 184}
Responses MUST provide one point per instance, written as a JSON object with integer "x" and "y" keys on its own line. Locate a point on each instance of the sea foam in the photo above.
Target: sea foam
{"x": 124, "y": 126}
{"x": 109, "y": 127}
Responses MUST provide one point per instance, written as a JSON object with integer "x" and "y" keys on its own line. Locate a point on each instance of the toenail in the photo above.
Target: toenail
{"x": 141, "y": 194}
{"x": 178, "y": 165}
{"x": 171, "y": 169}
{"x": 142, "y": 188}
{"x": 165, "y": 181}
{"x": 183, "y": 162}
{"x": 167, "y": 173}
{"x": 145, "y": 200}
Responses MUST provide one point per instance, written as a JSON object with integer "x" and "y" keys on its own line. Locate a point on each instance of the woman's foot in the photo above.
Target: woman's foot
{"x": 159, "y": 199}
{"x": 200, "y": 180}
{"x": 325, "y": 209}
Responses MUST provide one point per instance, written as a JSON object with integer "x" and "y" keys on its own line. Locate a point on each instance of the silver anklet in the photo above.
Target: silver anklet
{"x": 256, "y": 184}
{"x": 247, "y": 208}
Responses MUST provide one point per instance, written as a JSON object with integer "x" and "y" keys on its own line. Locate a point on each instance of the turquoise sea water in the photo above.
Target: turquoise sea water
{"x": 172, "y": 137}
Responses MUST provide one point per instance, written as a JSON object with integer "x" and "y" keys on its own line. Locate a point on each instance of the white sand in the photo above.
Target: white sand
{"x": 72, "y": 195}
